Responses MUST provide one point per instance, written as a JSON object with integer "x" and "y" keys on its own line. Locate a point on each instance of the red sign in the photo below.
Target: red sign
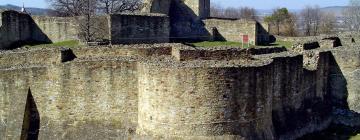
{"x": 245, "y": 39}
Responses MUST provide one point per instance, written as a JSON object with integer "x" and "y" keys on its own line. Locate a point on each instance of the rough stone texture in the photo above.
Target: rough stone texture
{"x": 14, "y": 28}
{"x": 157, "y": 6}
{"x": 188, "y": 53}
{"x": 55, "y": 29}
{"x": 204, "y": 101}
{"x": 345, "y": 77}
{"x": 145, "y": 92}
{"x": 200, "y": 8}
{"x": 234, "y": 29}
{"x": 130, "y": 28}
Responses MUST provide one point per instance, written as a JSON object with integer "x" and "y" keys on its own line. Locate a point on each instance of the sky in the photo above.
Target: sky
{"x": 257, "y": 4}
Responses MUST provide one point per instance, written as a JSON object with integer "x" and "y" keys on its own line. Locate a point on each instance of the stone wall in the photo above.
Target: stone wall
{"x": 145, "y": 92}
{"x": 233, "y": 30}
{"x": 345, "y": 77}
{"x": 201, "y": 8}
{"x": 55, "y": 29}
{"x": 139, "y": 28}
{"x": 189, "y": 53}
{"x": 15, "y": 29}
{"x": 156, "y": 6}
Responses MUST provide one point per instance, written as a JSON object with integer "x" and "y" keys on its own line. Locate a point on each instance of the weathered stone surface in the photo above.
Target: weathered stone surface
{"x": 145, "y": 92}
{"x": 139, "y": 28}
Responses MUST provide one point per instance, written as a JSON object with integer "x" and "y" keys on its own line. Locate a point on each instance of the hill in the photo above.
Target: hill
{"x": 31, "y": 10}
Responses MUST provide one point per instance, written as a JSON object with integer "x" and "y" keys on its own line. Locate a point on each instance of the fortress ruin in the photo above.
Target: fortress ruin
{"x": 170, "y": 90}
{"x": 187, "y": 21}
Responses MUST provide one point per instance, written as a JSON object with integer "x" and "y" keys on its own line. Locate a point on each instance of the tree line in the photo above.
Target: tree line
{"x": 310, "y": 21}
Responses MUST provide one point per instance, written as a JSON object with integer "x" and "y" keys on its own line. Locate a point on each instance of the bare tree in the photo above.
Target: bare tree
{"x": 231, "y": 13}
{"x": 118, "y": 6}
{"x": 69, "y": 7}
{"x": 216, "y": 11}
{"x": 352, "y": 15}
{"x": 311, "y": 18}
{"x": 238, "y": 13}
{"x": 328, "y": 23}
{"x": 86, "y": 11}
{"x": 247, "y": 13}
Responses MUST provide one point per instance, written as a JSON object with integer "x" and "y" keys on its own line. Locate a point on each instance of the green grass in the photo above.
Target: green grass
{"x": 357, "y": 137}
{"x": 68, "y": 44}
{"x": 218, "y": 43}
{"x": 286, "y": 44}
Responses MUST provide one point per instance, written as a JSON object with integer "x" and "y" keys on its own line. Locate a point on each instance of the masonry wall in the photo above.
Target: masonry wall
{"x": 345, "y": 78}
{"x": 15, "y": 29}
{"x": 232, "y": 30}
{"x": 144, "y": 92}
{"x": 204, "y": 102}
{"x": 157, "y": 6}
{"x": 131, "y": 28}
{"x": 54, "y": 29}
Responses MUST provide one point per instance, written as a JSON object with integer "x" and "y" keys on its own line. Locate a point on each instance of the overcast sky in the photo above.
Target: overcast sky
{"x": 258, "y": 4}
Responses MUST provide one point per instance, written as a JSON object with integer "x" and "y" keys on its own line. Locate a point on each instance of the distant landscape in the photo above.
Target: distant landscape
{"x": 31, "y": 10}
{"x": 337, "y": 10}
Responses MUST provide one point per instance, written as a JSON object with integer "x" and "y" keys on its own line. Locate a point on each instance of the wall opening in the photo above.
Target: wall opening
{"x": 67, "y": 55}
{"x": 31, "y": 122}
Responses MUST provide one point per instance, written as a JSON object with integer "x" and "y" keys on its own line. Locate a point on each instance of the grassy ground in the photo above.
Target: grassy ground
{"x": 237, "y": 44}
{"x": 68, "y": 44}
{"x": 286, "y": 44}
{"x": 355, "y": 137}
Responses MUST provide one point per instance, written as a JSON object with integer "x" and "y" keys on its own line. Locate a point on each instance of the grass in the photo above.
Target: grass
{"x": 218, "y": 43}
{"x": 286, "y": 44}
{"x": 357, "y": 137}
{"x": 68, "y": 44}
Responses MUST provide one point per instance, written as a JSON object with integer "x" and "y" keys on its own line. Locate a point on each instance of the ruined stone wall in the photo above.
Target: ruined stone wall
{"x": 201, "y": 8}
{"x": 54, "y": 29}
{"x": 139, "y": 28}
{"x": 345, "y": 77}
{"x": 233, "y": 30}
{"x": 204, "y": 102}
{"x": 88, "y": 98}
{"x": 15, "y": 28}
{"x": 156, "y": 6}
{"x": 145, "y": 92}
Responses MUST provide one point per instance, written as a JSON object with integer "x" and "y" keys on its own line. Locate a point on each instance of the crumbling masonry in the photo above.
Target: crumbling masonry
{"x": 172, "y": 91}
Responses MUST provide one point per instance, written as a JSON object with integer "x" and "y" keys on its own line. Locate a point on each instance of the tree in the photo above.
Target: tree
{"x": 86, "y": 11}
{"x": 311, "y": 18}
{"x": 352, "y": 15}
{"x": 328, "y": 23}
{"x": 231, "y": 13}
{"x": 216, "y": 11}
{"x": 69, "y": 7}
{"x": 281, "y": 18}
{"x": 247, "y": 13}
{"x": 118, "y": 6}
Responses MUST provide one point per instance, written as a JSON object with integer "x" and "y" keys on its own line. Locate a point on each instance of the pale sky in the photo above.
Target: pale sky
{"x": 257, "y": 4}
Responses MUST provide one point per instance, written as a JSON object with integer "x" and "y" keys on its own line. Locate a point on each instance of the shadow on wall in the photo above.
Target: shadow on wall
{"x": 217, "y": 35}
{"x": 186, "y": 26}
{"x": 264, "y": 37}
{"x": 31, "y": 123}
{"x": 340, "y": 128}
{"x": 19, "y": 29}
